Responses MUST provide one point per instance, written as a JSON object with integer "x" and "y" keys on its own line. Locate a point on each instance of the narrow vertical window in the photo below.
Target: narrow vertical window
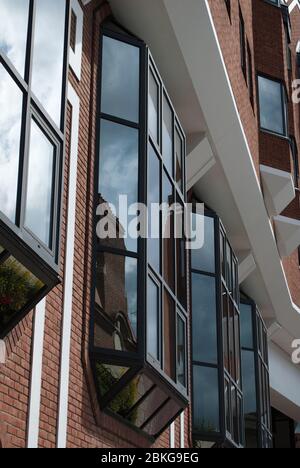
{"x": 272, "y": 106}
{"x": 243, "y": 44}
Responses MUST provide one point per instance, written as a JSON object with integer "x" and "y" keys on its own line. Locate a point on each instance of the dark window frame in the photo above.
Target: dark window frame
{"x": 284, "y": 106}
{"x": 243, "y": 41}
{"x": 17, "y": 240}
{"x": 223, "y": 437}
{"x": 260, "y": 352}
{"x": 32, "y": 106}
{"x": 137, "y": 362}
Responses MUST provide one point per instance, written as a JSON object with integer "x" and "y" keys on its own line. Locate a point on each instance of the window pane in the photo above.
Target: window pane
{"x": 168, "y": 232}
{"x": 249, "y": 383}
{"x": 149, "y": 406}
{"x": 206, "y": 402}
{"x": 38, "y": 216}
{"x": 154, "y": 240}
{"x": 237, "y": 333}
{"x": 153, "y": 328}
{"x": 118, "y": 171}
{"x": 204, "y": 319}
{"x": 181, "y": 352}
{"x": 181, "y": 254}
{"x": 204, "y": 259}
{"x": 271, "y": 105}
{"x": 179, "y": 158}
{"x": 225, "y": 328}
{"x": 232, "y": 356}
{"x": 120, "y": 79}
{"x": 167, "y": 135}
{"x": 246, "y": 326}
{"x": 18, "y": 287}
{"x": 48, "y": 55}
{"x": 169, "y": 336}
{"x": 153, "y": 107}
{"x": 10, "y": 133}
{"x": 108, "y": 376}
{"x": 13, "y": 31}
{"x": 116, "y": 302}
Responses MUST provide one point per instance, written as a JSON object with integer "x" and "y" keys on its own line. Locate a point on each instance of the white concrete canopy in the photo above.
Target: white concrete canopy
{"x": 288, "y": 235}
{"x": 278, "y": 188}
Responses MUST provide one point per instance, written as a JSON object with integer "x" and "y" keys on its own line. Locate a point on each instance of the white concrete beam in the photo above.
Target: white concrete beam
{"x": 278, "y": 187}
{"x": 246, "y": 266}
{"x": 287, "y": 234}
{"x": 199, "y": 162}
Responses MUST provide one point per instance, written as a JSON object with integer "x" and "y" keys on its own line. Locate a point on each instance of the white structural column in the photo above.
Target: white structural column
{"x": 69, "y": 273}
{"x": 182, "y": 430}
{"x": 36, "y": 375}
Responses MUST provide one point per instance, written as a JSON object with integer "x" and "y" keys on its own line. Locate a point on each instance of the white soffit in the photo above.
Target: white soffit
{"x": 199, "y": 162}
{"x": 202, "y": 54}
{"x": 278, "y": 188}
{"x": 285, "y": 398}
{"x": 288, "y": 235}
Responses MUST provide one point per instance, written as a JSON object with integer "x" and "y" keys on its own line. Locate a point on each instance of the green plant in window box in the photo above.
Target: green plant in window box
{"x": 124, "y": 401}
{"x": 17, "y": 287}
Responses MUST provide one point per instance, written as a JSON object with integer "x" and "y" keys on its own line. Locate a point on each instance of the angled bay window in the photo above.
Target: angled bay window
{"x": 273, "y": 106}
{"x": 139, "y": 326}
{"x": 33, "y": 50}
{"x": 255, "y": 373}
{"x": 217, "y": 390}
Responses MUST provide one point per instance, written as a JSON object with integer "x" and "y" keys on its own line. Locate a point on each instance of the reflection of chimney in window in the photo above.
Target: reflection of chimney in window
{"x": 73, "y": 31}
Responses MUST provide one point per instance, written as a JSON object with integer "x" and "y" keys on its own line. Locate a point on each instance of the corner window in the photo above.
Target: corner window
{"x": 32, "y": 100}
{"x": 272, "y": 106}
{"x": 139, "y": 305}
{"x": 217, "y": 390}
{"x": 255, "y": 373}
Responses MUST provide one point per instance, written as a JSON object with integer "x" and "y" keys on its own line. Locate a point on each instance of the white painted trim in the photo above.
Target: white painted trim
{"x": 36, "y": 376}
{"x": 75, "y": 58}
{"x": 182, "y": 430}
{"x": 172, "y": 436}
{"x": 68, "y": 275}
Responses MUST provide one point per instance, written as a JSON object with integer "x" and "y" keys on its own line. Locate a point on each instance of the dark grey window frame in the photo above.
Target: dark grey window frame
{"x": 222, "y": 438}
{"x": 138, "y": 362}
{"x": 284, "y": 106}
{"x": 260, "y": 351}
{"x": 15, "y": 238}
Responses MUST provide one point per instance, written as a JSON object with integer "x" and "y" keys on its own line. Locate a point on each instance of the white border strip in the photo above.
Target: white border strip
{"x": 76, "y": 57}
{"x": 36, "y": 376}
{"x": 172, "y": 435}
{"x": 69, "y": 273}
{"x": 182, "y": 430}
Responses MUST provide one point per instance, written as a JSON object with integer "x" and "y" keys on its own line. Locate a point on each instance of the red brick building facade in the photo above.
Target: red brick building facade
{"x": 50, "y": 400}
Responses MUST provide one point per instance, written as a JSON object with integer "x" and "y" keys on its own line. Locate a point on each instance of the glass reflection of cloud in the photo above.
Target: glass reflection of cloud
{"x": 13, "y": 31}
{"x": 270, "y": 104}
{"x": 40, "y": 171}
{"x": 48, "y": 55}
{"x": 10, "y": 128}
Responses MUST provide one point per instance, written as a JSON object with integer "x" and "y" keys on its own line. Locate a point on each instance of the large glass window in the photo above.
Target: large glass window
{"x": 272, "y": 106}
{"x": 139, "y": 307}
{"x": 217, "y": 390}
{"x": 255, "y": 373}
{"x": 11, "y": 104}
{"x": 33, "y": 71}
